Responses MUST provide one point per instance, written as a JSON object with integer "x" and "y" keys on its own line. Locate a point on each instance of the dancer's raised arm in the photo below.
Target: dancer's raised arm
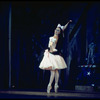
{"x": 65, "y": 26}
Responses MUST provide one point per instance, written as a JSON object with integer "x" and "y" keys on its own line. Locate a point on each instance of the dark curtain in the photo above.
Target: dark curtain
{"x": 4, "y": 62}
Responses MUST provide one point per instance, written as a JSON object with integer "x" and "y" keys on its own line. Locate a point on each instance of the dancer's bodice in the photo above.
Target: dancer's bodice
{"x": 52, "y": 44}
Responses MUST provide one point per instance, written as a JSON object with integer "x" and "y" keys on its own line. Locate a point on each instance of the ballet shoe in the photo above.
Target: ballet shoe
{"x": 49, "y": 88}
{"x": 56, "y": 88}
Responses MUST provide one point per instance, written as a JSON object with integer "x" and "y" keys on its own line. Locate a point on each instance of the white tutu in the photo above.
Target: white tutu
{"x": 52, "y": 62}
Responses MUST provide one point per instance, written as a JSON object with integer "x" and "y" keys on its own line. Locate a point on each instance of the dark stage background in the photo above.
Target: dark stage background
{"x": 30, "y": 25}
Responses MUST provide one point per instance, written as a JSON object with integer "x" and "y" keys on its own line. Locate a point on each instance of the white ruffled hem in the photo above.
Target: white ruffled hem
{"x": 52, "y": 62}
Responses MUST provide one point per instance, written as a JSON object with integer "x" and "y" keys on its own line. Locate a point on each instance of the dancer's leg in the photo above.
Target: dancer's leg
{"x": 51, "y": 81}
{"x": 56, "y": 80}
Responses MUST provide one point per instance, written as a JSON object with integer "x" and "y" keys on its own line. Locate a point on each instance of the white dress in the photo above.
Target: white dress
{"x": 51, "y": 61}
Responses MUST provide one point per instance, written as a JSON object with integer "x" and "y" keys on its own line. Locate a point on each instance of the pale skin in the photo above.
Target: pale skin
{"x": 55, "y": 73}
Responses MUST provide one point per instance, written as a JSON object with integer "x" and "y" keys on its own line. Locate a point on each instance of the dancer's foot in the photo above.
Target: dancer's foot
{"x": 56, "y": 88}
{"x": 49, "y": 88}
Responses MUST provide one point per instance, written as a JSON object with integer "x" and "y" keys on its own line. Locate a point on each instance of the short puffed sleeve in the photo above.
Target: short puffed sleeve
{"x": 51, "y": 41}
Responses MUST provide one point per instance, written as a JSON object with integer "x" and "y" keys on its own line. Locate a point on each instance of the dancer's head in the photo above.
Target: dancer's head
{"x": 58, "y": 31}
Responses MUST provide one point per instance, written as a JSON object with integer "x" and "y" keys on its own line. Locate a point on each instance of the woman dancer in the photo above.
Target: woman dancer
{"x": 52, "y": 59}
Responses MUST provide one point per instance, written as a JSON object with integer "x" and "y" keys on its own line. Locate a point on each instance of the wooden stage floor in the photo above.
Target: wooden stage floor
{"x": 44, "y": 95}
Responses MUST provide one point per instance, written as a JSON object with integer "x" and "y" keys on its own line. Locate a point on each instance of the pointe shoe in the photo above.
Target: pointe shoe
{"x": 56, "y": 88}
{"x": 49, "y": 88}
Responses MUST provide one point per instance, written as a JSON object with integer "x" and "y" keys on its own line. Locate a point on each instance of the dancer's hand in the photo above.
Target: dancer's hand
{"x": 70, "y": 20}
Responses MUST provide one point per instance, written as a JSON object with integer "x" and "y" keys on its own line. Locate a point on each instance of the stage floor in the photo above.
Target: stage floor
{"x": 44, "y": 95}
